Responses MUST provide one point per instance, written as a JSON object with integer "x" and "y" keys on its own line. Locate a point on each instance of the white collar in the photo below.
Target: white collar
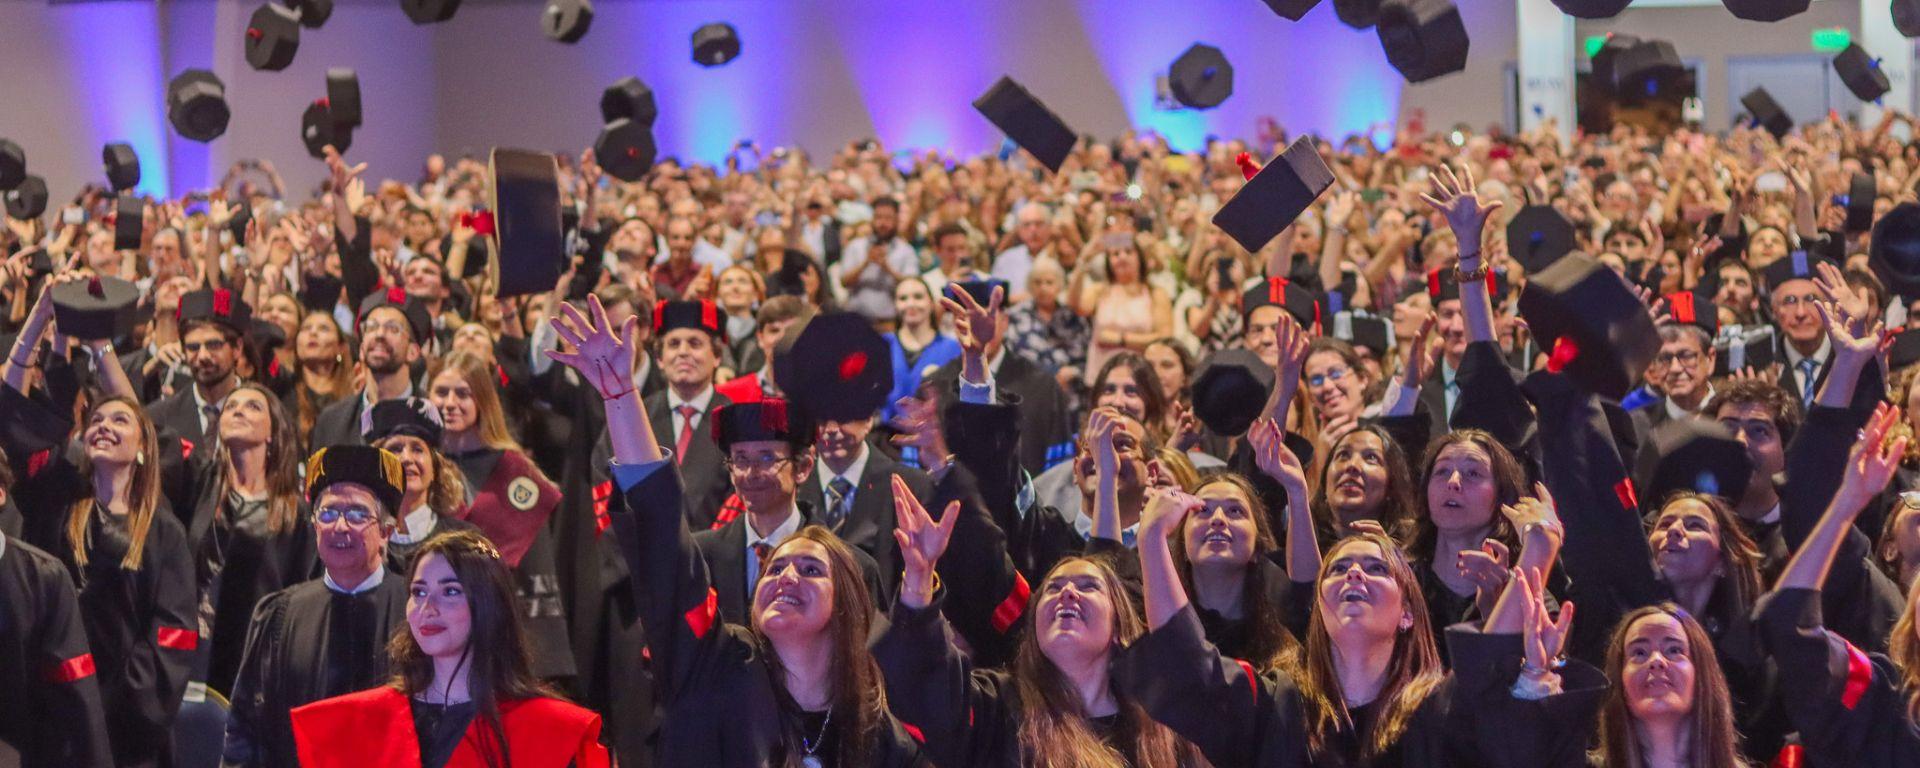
{"x": 699, "y": 401}
{"x": 780, "y": 533}
{"x": 1819, "y": 355}
{"x": 1674, "y": 411}
{"x": 1772, "y": 516}
{"x": 366, "y": 398}
{"x": 853, "y": 473}
{"x": 3, "y": 545}
{"x": 416, "y": 526}
{"x": 373, "y": 581}
{"x": 641, "y": 371}
{"x": 200, "y": 403}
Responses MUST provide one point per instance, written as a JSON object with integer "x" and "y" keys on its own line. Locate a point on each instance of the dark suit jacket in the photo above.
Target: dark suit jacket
{"x": 1045, "y": 426}
{"x": 338, "y": 424}
{"x": 1791, "y": 384}
{"x": 703, "y": 471}
{"x": 869, "y": 526}
{"x": 725, "y": 550}
{"x": 180, "y": 414}
{"x": 1433, "y": 395}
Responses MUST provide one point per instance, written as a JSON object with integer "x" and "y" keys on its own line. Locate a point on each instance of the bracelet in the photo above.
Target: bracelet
{"x": 1477, "y": 274}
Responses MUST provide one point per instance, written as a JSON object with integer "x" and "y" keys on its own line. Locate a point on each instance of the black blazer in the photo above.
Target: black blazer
{"x": 725, "y": 550}
{"x": 178, "y": 413}
{"x": 338, "y": 424}
{"x": 1792, "y": 385}
{"x": 869, "y": 526}
{"x": 703, "y": 471}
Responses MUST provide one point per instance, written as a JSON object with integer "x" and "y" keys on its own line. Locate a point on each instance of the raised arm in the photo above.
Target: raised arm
{"x": 1106, "y": 496}
{"x": 1869, "y": 467}
{"x": 1292, "y": 341}
{"x": 604, "y": 358}
{"x": 26, "y": 346}
{"x": 1454, "y": 197}
{"x": 1271, "y": 454}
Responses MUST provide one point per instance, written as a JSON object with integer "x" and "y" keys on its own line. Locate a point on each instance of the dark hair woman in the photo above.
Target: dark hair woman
{"x": 323, "y": 356}
{"x": 798, "y": 684}
{"x": 1459, "y": 541}
{"x": 463, "y": 693}
{"x": 1363, "y": 477}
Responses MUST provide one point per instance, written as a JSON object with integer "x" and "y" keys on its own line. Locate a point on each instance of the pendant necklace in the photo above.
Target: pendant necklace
{"x": 811, "y": 760}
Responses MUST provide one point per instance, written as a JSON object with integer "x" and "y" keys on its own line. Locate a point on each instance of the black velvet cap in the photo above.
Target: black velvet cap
{"x": 834, "y": 367}
{"x": 1030, "y": 124}
{"x": 96, "y": 308}
{"x": 1275, "y": 196}
{"x": 1231, "y": 390}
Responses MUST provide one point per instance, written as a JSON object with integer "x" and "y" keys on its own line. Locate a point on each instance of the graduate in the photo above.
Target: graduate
{"x": 796, "y": 685}
{"x": 436, "y": 493}
{"x": 327, "y": 636}
{"x": 463, "y": 693}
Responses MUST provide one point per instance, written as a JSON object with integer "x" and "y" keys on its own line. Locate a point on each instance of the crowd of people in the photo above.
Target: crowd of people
{"x": 321, "y": 475}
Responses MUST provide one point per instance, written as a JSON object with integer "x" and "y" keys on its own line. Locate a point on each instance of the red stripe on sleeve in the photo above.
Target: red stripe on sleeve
{"x": 602, "y": 496}
{"x": 1009, "y": 610}
{"x": 1624, "y": 491}
{"x": 1859, "y": 677}
{"x": 700, "y": 617}
{"x": 1791, "y": 756}
{"x": 914, "y": 732}
{"x": 1253, "y": 686}
{"x": 77, "y": 668}
{"x": 177, "y": 638}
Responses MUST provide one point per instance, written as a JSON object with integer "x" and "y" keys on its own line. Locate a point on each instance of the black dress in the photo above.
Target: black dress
{"x": 240, "y": 559}
{"x": 143, "y": 629}
{"x": 50, "y": 708}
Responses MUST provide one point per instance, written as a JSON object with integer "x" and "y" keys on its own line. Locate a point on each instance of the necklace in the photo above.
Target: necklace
{"x": 810, "y": 760}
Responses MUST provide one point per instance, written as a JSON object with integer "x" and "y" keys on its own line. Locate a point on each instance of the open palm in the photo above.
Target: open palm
{"x": 602, "y": 355}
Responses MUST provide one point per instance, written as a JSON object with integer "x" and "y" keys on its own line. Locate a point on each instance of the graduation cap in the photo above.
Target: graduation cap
{"x": 1766, "y": 112}
{"x": 313, "y": 13}
{"x": 526, "y": 212}
{"x": 697, "y": 314}
{"x": 1798, "y": 265}
{"x": 1201, "y": 78}
{"x": 1598, "y": 331}
{"x": 1364, "y": 330}
{"x": 429, "y": 11}
{"x": 1894, "y": 253}
{"x": 95, "y": 308}
{"x": 1359, "y": 14}
{"x": 625, "y": 149}
{"x": 1275, "y": 195}
{"x": 1030, "y": 124}
{"x": 13, "y": 165}
{"x": 771, "y": 419}
{"x": 1861, "y": 73}
{"x": 197, "y": 105}
{"x": 1424, "y": 39}
{"x": 413, "y": 417}
{"x": 216, "y": 305}
{"x": 343, "y": 97}
{"x": 1766, "y": 10}
{"x": 1603, "y": 59}
{"x": 1651, "y": 70}
{"x": 1744, "y": 348}
{"x": 1692, "y": 454}
{"x": 629, "y": 98}
{"x": 122, "y": 165}
{"x": 1538, "y": 236}
{"x": 322, "y": 292}
{"x": 272, "y": 37}
{"x": 1231, "y": 390}
{"x": 418, "y": 320}
{"x": 835, "y": 367}
{"x": 790, "y": 278}
{"x": 319, "y": 130}
{"x": 1905, "y": 349}
{"x": 1286, "y": 294}
{"x": 129, "y": 223}
{"x": 28, "y": 199}
{"x": 1861, "y": 194}
{"x": 1441, "y": 287}
{"x": 375, "y": 469}
{"x": 715, "y": 44}
{"x": 1906, "y": 17}
{"x": 1591, "y": 9}
{"x": 33, "y": 431}
{"x": 1292, "y": 10}
{"x": 1694, "y": 308}
{"x": 567, "y": 21}
{"x": 264, "y": 336}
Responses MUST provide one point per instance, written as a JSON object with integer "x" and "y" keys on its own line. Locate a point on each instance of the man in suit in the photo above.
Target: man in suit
{"x": 689, "y": 338}
{"x": 820, "y": 232}
{"x": 1046, "y": 434}
{"x": 773, "y": 319}
{"x": 392, "y": 327}
{"x": 851, "y": 492}
{"x": 213, "y": 325}
{"x": 1791, "y": 293}
{"x": 1685, "y": 363}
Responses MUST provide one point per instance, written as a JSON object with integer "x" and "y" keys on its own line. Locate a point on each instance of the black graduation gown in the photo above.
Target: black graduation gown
{"x": 725, "y": 550}
{"x": 307, "y": 643}
{"x": 1046, "y": 425}
{"x": 339, "y": 423}
{"x": 51, "y": 714}
{"x": 143, "y": 629}
{"x": 1850, "y": 712}
{"x": 983, "y": 438}
{"x": 238, "y": 561}
{"x": 178, "y": 413}
{"x": 721, "y": 706}
{"x": 511, "y": 505}
{"x": 869, "y": 525}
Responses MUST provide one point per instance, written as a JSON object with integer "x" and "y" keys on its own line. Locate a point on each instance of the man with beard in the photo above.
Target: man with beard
{"x": 212, "y": 328}
{"x": 328, "y": 636}
{"x": 874, "y": 265}
{"x": 392, "y": 325}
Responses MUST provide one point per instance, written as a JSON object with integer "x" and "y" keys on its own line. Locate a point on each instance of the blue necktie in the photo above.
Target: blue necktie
{"x": 838, "y": 490}
{"x": 1807, "y": 368}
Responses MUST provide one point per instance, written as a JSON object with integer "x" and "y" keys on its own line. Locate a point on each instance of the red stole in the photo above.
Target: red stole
{"x": 375, "y": 727}
{"x": 513, "y": 505}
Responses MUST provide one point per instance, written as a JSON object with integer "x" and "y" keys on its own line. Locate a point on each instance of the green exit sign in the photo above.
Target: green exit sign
{"x": 1593, "y": 43}
{"x": 1831, "y": 40}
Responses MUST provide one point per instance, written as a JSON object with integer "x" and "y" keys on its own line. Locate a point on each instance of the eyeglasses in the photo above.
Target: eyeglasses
{"x": 1791, "y": 300}
{"x": 1332, "y": 374}
{"x": 389, "y": 327}
{"x": 210, "y": 345}
{"x": 1683, "y": 357}
{"x": 357, "y": 517}
{"x": 762, "y": 464}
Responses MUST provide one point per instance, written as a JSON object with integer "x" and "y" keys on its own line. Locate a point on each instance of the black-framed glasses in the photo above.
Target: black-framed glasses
{"x": 1683, "y": 357}
{"x": 357, "y": 517}
{"x": 760, "y": 464}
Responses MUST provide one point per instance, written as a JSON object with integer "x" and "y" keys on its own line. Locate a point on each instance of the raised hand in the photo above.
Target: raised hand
{"x": 1420, "y": 361}
{"x": 976, "y": 326}
{"x": 1101, "y": 424}
{"x": 1538, "y": 512}
{"x": 1186, "y": 429}
{"x": 1166, "y": 509}
{"x": 1844, "y": 331}
{"x": 1854, "y": 304}
{"x": 339, "y": 172}
{"x": 601, "y": 354}
{"x": 1454, "y": 197}
{"x": 1487, "y": 569}
{"x": 1273, "y": 457}
{"x": 918, "y": 421}
{"x": 1293, "y": 341}
{"x": 1872, "y": 462}
{"x": 922, "y": 541}
{"x": 1544, "y": 638}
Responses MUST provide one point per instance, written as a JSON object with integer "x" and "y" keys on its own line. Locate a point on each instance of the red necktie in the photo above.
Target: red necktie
{"x": 680, "y": 443}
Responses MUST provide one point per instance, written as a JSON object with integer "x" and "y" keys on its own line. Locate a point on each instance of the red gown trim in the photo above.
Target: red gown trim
{"x": 375, "y": 727}
{"x": 512, "y": 526}
{"x": 700, "y": 617}
{"x": 77, "y": 668}
{"x": 1010, "y": 609}
{"x": 1859, "y": 677}
{"x": 176, "y": 638}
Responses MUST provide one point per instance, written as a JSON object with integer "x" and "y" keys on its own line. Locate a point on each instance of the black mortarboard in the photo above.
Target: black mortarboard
{"x": 1359, "y": 14}
{"x": 129, "y": 223}
{"x": 1292, "y": 10}
{"x": 1766, "y": 112}
{"x": 1894, "y": 252}
{"x": 1441, "y": 287}
{"x": 1861, "y": 194}
{"x": 122, "y": 166}
{"x": 409, "y": 416}
{"x": 715, "y": 44}
{"x": 1765, "y": 10}
{"x": 526, "y": 211}
{"x": 772, "y": 419}
{"x": 1598, "y": 331}
{"x": 567, "y": 21}
{"x": 1027, "y": 121}
{"x": 1693, "y": 454}
{"x": 13, "y": 165}
{"x": 197, "y": 105}
{"x": 1749, "y": 348}
{"x": 27, "y": 200}
{"x": 1694, "y": 308}
{"x": 1201, "y": 78}
{"x": 625, "y": 149}
{"x": 1906, "y": 17}
{"x": 1230, "y": 391}
{"x": 313, "y": 13}
{"x": 319, "y": 130}
{"x": 321, "y": 293}
{"x": 1602, "y": 62}
{"x": 1652, "y": 71}
{"x": 1591, "y": 9}
{"x": 696, "y": 314}
{"x": 835, "y": 367}
{"x": 790, "y": 278}
{"x": 1424, "y": 39}
{"x": 1286, "y": 294}
{"x": 216, "y": 305}
{"x": 1798, "y": 265}
{"x": 1861, "y": 73}
{"x": 1905, "y": 349}
{"x": 343, "y": 97}
{"x": 33, "y": 432}
{"x": 429, "y": 11}
{"x": 1538, "y": 236}
{"x": 377, "y": 470}
{"x": 631, "y": 99}
{"x": 264, "y": 336}
{"x": 95, "y": 308}
{"x": 273, "y": 37}
{"x": 1275, "y": 196}
{"x": 1364, "y": 330}
{"x": 418, "y": 320}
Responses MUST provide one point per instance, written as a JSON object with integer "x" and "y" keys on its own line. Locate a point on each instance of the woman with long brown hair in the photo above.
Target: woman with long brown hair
{"x": 463, "y": 693}
{"x": 796, "y": 686}
{"x": 323, "y": 357}
{"x": 1465, "y": 480}
{"x": 511, "y": 498}
{"x": 1363, "y": 477}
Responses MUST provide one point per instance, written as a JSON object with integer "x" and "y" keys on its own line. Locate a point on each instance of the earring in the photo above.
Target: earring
{"x": 140, "y": 458}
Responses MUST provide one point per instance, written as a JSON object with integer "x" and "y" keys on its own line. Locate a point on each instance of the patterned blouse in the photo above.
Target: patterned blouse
{"x": 1051, "y": 344}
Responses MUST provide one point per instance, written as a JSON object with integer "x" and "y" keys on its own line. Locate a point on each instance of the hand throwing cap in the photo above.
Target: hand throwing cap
{"x": 95, "y": 308}
{"x": 1028, "y": 122}
{"x": 835, "y": 367}
{"x": 1275, "y": 195}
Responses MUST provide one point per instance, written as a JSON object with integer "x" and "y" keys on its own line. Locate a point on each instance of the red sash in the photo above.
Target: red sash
{"x": 512, "y": 507}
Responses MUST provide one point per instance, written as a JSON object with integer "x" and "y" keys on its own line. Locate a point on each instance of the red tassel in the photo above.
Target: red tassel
{"x": 773, "y": 415}
{"x": 1563, "y": 354}
{"x": 700, "y": 617}
{"x": 1623, "y": 491}
{"x": 397, "y": 296}
{"x": 222, "y": 302}
{"x": 709, "y": 316}
{"x": 853, "y": 365}
{"x": 1277, "y": 290}
{"x": 1248, "y": 168}
{"x": 659, "y": 310}
{"x": 602, "y": 498}
{"x": 1433, "y": 285}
